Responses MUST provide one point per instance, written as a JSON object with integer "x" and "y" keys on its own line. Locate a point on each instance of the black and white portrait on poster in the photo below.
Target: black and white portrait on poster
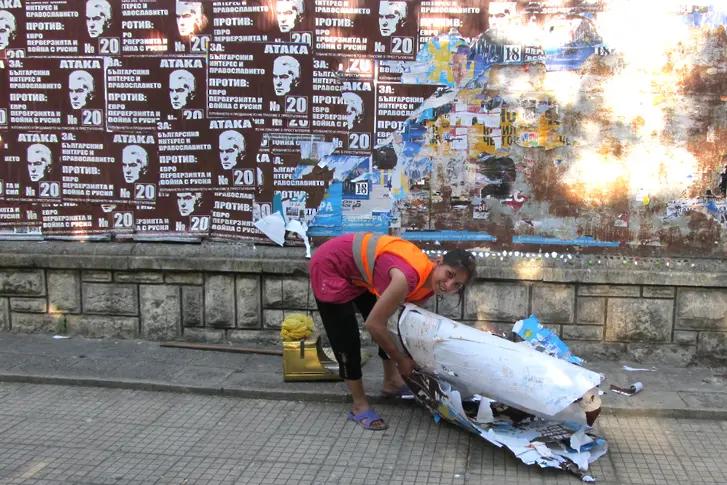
{"x": 136, "y": 167}
{"x": 31, "y": 168}
{"x": 237, "y": 147}
{"x": 102, "y": 35}
{"x": 269, "y": 80}
{"x": 12, "y": 29}
{"x": 194, "y": 26}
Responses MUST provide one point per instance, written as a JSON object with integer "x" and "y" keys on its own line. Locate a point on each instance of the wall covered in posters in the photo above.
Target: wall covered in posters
{"x": 569, "y": 125}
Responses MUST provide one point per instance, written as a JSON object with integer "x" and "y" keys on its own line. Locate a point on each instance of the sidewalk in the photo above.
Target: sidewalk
{"x": 694, "y": 392}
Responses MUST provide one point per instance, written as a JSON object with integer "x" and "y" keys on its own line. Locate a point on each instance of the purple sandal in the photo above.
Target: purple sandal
{"x": 403, "y": 393}
{"x": 370, "y": 416}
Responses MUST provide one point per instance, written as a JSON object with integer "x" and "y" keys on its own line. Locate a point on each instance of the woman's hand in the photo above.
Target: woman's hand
{"x": 406, "y": 366}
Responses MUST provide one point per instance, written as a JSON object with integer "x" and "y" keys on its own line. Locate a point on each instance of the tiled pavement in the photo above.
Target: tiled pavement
{"x": 80, "y": 435}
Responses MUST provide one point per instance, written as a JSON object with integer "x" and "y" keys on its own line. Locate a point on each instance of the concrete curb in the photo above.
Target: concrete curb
{"x": 138, "y": 385}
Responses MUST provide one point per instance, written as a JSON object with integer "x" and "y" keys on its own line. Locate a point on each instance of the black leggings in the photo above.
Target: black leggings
{"x": 339, "y": 320}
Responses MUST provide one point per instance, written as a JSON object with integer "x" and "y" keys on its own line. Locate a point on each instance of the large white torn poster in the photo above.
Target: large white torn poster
{"x": 538, "y": 406}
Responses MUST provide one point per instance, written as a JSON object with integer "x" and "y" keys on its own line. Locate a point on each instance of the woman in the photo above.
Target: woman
{"x": 344, "y": 277}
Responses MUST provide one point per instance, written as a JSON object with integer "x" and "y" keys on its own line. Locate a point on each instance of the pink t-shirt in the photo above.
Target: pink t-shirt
{"x": 332, "y": 267}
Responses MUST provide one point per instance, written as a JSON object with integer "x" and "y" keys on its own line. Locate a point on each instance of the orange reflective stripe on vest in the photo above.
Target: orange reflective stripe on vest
{"x": 367, "y": 247}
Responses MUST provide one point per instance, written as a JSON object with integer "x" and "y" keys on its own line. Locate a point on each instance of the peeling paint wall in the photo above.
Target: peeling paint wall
{"x": 592, "y": 126}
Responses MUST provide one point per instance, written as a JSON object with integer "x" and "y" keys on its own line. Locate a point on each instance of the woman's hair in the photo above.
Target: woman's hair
{"x": 459, "y": 258}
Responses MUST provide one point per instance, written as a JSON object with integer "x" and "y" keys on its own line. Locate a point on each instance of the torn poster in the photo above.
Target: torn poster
{"x": 544, "y": 340}
{"x": 539, "y": 406}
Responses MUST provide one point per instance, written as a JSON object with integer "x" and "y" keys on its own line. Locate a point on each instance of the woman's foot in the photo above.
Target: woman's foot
{"x": 368, "y": 418}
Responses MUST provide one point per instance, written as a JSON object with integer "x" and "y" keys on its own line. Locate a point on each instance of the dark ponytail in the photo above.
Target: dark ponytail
{"x": 459, "y": 258}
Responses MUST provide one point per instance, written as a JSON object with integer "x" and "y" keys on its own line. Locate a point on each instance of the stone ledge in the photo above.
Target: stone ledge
{"x": 245, "y": 258}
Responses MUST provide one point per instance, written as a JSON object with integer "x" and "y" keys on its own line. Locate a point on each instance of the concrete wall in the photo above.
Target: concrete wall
{"x": 644, "y": 310}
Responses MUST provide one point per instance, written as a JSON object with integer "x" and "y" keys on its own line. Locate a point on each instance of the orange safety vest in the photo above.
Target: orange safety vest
{"x": 367, "y": 247}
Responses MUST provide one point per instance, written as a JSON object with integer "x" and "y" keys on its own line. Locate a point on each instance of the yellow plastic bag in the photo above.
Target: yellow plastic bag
{"x": 296, "y": 326}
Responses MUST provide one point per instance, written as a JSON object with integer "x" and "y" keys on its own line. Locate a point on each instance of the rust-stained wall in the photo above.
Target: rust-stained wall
{"x": 618, "y": 151}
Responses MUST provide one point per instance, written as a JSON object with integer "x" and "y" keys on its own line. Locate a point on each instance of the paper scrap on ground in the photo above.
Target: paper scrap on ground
{"x": 627, "y": 391}
{"x": 637, "y": 369}
{"x": 59, "y": 337}
{"x": 543, "y": 340}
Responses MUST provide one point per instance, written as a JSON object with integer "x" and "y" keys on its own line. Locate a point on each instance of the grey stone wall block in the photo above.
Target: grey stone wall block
{"x": 204, "y": 335}
{"x": 34, "y": 322}
{"x": 138, "y": 277}
{"x": 192, "y": 306}
{"x": 96, "y": 276}
{"x": 29, "y": 305}
{"x": 582, "y": 332}
{"x": 248, "y": 302}
{"x": 609, "y": 290}
{"x": 712, "y": 347}
{"x": 553, "y": 303}
{"x": 449, "y": 306}
{"x": 219, "y": 301}
{"x": 110, "y": 298}
{"x": 596, "y": 350}
{"x": 273, "y": 318}
{"x": 272, "y": 292}
{"x": 259, "y": 337}
{"x": 666, "y": 355}
{"x": 496, "y": 301}
{"x": 184, "y": 278}
{"x": 160, "y": 312}
{"x": 4, "y": 315}
{"x": 22, "y": 282}
{"x": 639, "y": 320}
{"x": 685, "y": 338}
{"x": 64, "y": 291}
{"x": 296, "y": 292}
{"x": 658, "y": 291}
{"x": 590, "y": 310}
{"x": 701, "y": 309}
{"x": 103, "y": 326}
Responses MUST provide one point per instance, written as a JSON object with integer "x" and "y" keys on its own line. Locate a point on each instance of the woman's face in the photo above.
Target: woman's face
{"x": 448, "y": 279}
